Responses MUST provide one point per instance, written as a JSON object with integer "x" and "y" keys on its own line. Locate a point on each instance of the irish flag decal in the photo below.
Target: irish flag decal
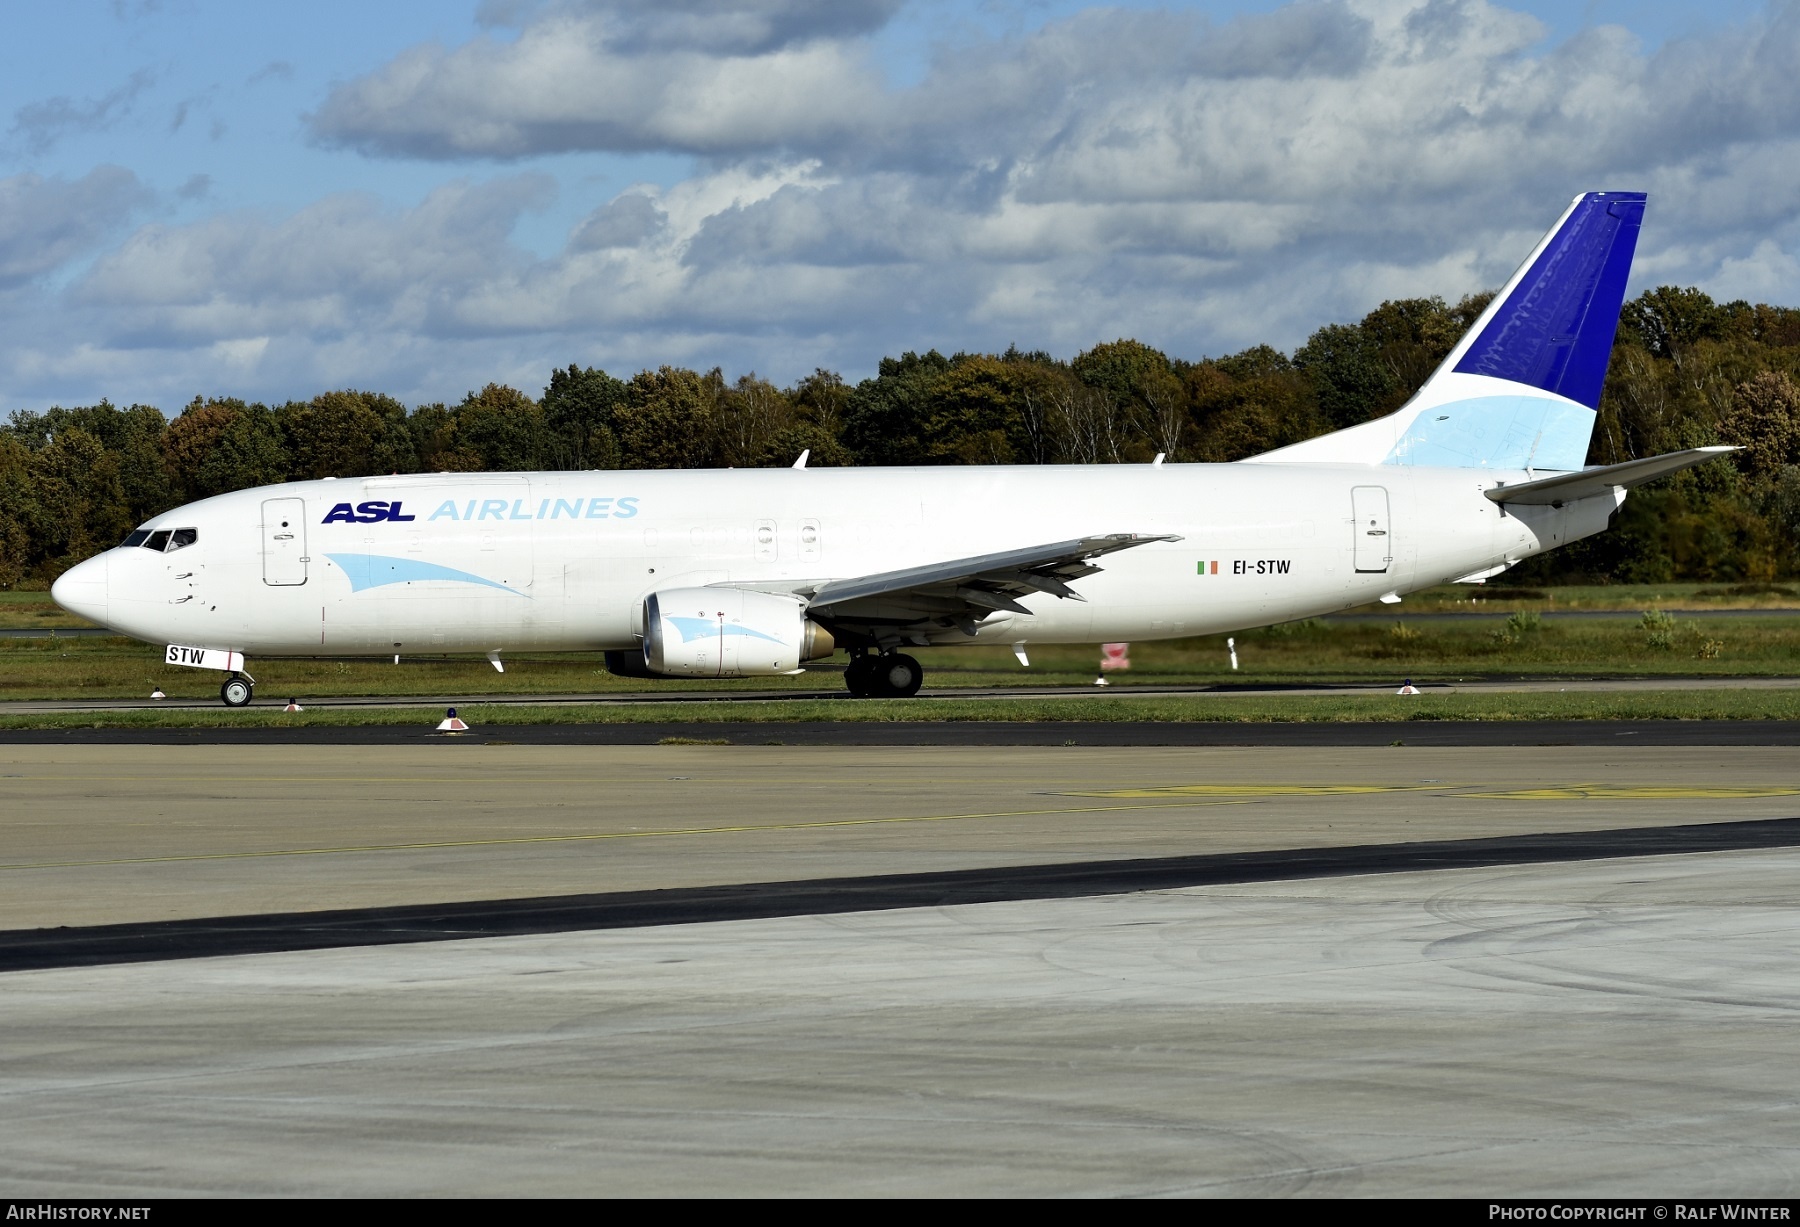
{"x": 1209, "y": 568}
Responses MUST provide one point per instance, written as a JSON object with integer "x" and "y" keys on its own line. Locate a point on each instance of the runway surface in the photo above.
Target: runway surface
{"x": 96, "y": 835}
{"x": 886, "y": 970}
{"x": 385, "y": 926}
{"x": 966, "y": 733}
{"x": 1599, "y": 1029}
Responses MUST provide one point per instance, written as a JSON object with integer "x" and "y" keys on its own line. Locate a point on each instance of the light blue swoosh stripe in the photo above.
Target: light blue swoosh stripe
{"x": 703, "y": 628}
{"x": 1500, "y": 432}
{"x": 376, "y": 570}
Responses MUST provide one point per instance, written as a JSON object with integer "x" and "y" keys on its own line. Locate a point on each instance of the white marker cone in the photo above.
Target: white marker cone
{"x": 1100, "y": 681}
{"x": 293, "y": 705}
{"x": 1408, "y": 688}
{"x": 158, "y": 694}
{"x": 450, "y": 724}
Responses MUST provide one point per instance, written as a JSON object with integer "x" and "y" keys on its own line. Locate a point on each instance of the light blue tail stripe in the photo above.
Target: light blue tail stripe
{"x": 1498, "y": 432}
{"x": 375, "y": 570}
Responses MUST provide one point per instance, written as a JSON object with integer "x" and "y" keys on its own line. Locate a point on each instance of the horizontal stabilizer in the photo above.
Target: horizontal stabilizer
{"x": 1568, "y": 487}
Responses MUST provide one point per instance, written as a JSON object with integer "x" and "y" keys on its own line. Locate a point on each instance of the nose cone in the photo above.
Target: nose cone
{"x": 82, "y": 589}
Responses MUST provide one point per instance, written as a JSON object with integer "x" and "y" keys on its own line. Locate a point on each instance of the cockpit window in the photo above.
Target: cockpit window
{"x": 162, "y": 540}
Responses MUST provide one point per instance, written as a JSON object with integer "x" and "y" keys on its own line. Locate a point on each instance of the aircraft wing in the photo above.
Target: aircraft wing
{"x": 1586, "y": 483}
{"x": 963, "y": 591}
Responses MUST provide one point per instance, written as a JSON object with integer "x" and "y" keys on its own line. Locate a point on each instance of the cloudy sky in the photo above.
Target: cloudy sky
{"x": 208, "y": 197}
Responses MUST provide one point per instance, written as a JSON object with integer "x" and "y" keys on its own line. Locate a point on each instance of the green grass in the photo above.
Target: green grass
{"x": 1498, "y": 596}
{"x": 1429, "y": 649}
{"x": 35, "y": 610}
{"x": 1309, "y": 652}
{"x": 1379, "y": 707}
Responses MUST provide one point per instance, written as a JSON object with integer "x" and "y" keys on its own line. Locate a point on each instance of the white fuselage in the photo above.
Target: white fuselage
{"x": 564, "y": 560}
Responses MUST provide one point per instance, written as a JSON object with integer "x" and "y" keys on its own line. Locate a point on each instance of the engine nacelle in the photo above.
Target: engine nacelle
{"x": 729, "y": 632}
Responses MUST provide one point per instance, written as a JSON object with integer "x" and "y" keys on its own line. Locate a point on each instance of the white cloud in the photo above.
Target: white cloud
{"x": 591, "y": 80}
{"x": 40, "y": 126}
{"x": 1764, "y": 274}
{"x": 731, "y": 26}
{"x": 627, "y": 221}
{"x": 1121, "y": 172}
{"x": 45, "y": 223}
{"x": 341, "y": 264}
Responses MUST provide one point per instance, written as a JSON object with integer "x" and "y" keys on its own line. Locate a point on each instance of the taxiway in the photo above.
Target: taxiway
{"x": 1387, "y": 970}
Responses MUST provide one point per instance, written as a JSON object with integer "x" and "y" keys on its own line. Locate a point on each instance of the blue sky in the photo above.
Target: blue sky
{"x": 201, "y": 198}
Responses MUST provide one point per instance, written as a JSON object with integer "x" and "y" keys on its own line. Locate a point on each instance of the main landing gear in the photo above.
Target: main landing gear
{"x": 894, "y": 676}
{"x": 237, "y": 690}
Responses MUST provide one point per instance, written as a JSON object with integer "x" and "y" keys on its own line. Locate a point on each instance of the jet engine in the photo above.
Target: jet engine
{"x": 729, "y": 632}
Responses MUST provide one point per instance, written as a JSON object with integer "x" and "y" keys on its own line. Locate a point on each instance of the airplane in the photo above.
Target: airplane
{"x": 757, "y": 572}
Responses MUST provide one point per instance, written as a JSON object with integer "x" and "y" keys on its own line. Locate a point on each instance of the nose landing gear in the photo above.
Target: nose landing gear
{"x": 894, "y": 676}
{"x": 237, "y": 690}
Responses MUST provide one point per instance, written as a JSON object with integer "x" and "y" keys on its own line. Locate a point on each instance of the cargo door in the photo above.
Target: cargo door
{"x": 1374, "y": 547}
{"x": 284, "y": 542}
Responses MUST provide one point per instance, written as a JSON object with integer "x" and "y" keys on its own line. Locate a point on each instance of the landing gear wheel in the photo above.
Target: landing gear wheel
{"x": 859, "y": 675}
{"x": 236, "y": 691}
{"x": 898, "y": 676}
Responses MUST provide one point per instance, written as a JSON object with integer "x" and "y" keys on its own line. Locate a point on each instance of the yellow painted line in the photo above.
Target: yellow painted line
{"x": 1639, "y": 792}
{"x": 1260, "y": 790}
{"x": 1565, "y": 792}
{"x": 1562, "y": 792}
{"x": 563, "y": 839}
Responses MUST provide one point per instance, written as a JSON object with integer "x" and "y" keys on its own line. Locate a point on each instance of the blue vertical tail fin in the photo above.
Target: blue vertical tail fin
{"x": 1553, "y": 327}
{"x": 1520, "y": 390}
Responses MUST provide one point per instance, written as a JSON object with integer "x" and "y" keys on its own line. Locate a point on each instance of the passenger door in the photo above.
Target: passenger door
{"x": 284, "y": 542}
{"x": 1374, "y": 548}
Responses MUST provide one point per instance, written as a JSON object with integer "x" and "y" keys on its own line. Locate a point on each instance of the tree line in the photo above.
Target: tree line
{"x": 1686, "y": 371}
